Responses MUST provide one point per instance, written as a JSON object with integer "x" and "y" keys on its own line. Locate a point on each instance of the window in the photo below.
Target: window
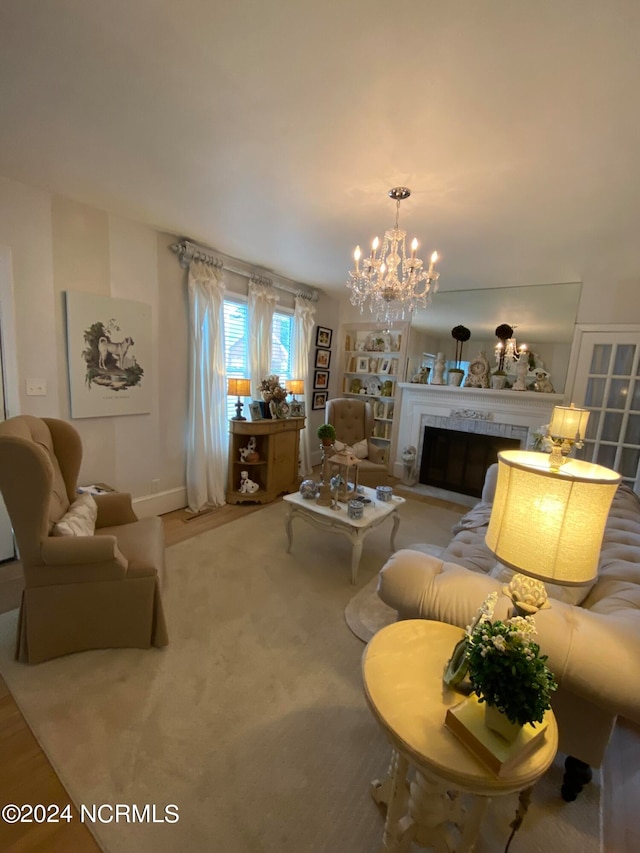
{"x": 236, "y": 347}
{"x": 281, "y": 344}
{"x": 236, "y": 350}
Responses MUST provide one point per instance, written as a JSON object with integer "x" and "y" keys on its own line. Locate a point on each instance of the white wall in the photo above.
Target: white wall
{"x": 55, "y": 245}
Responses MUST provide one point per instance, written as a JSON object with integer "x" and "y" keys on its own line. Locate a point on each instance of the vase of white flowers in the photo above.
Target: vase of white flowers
{"x": 507, "y": 671}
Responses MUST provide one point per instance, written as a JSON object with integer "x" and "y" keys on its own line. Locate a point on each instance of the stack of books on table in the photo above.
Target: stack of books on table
{"x": 466, "y": 721}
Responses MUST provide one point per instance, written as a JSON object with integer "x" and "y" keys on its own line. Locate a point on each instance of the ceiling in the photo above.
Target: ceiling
{"x": 272, "y": 130}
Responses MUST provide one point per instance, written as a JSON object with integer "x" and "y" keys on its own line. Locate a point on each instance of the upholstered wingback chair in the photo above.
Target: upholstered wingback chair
{"x": 81, "y": 591}
{"x": 353, "y": 423}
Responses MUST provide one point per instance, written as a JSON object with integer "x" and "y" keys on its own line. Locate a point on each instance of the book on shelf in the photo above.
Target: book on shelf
{"x": 466, "y": 721}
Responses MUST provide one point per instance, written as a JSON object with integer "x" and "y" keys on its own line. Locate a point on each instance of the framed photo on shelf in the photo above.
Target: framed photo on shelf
{"x": 323, "y": 358}
{"x": 323, "y": 337}
{"x": 362, "y": 364}
{"x": 255, "y": 411}
{"x": 385, "y": 365}
{"x": 321, "y": 379}
{"x": 319, "y": 400}
{"x": 298, "y": 409}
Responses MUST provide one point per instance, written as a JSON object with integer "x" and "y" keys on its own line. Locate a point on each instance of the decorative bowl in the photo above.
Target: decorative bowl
{"x": 309, "y": 489}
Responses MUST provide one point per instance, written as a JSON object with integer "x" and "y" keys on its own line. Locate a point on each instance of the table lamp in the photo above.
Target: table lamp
{"x": 548, "y": 524}
{"x": 568, "y": 427}
{"x": 239, "y": 388}
{"x": 295, "y": 386}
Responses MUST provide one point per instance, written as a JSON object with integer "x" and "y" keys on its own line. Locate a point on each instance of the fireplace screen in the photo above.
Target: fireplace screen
{"x": 457, "y": 461}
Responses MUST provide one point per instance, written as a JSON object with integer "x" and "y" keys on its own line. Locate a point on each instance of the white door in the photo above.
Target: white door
{"x": 607, "y": 382}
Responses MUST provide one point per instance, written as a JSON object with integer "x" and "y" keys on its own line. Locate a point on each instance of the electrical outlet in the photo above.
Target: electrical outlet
{"x": 36, "y": 387}
{"x": 155, "y": 486}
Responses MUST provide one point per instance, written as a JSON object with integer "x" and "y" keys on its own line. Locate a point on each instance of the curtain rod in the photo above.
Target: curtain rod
{"x": 188, "y": 252}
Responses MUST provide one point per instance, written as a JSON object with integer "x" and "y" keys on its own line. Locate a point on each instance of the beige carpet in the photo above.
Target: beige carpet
{"x": 252, "y": 721}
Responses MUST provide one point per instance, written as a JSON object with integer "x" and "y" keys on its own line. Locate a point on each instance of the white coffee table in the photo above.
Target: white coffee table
{"x": 337, "y": 521}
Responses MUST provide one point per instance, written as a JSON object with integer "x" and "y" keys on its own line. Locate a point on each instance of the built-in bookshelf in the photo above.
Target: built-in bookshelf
{"x": 373, "y": 363}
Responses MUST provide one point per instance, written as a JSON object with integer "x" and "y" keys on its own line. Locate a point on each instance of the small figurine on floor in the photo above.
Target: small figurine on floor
{"x": 247, "y": 486}
{"x": 409, "y": 462}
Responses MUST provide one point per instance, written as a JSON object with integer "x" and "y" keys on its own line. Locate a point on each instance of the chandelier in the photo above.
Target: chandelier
{"x": 393, "y": 284}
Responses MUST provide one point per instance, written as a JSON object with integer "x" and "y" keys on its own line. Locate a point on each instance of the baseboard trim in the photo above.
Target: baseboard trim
{"x": 168, "y": 501}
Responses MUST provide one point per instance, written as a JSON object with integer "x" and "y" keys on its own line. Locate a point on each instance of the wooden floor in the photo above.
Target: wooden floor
{"x": 26, "y": 776}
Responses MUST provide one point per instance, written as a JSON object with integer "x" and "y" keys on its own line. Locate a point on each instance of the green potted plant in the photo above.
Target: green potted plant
{"x": 498, "y": 379}
{"x": 507, "y": 671}
{"x": 326, "y": 434}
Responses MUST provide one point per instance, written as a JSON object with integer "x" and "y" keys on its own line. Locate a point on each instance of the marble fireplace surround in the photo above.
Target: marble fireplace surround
{"x": 512, "y": 414}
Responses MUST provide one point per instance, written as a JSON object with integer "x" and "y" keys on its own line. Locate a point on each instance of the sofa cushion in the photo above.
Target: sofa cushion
{"x": 360, "y": 449}
{"x": 377, "y": 455}
{"x": 79, "y": 519}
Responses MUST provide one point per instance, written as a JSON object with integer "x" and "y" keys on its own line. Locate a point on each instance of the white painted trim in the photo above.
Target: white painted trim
{"x": 168, "y": 501}
{"x": 9, "y": 341}
{"x": 527, "y": 409}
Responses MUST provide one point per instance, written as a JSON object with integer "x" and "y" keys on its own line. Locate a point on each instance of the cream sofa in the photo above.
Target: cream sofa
{"x": 593, "y": 646}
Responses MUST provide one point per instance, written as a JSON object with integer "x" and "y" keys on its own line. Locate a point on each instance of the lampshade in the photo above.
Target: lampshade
{"x": 549, "y": 524}
{"x": 238, "y": 387}
{"x": 296, "y": 386}
{"x": 569, "y": 422}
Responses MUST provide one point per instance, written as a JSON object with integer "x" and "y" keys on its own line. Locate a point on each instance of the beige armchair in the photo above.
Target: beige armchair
{"x": 353, "y": 423}
{"x": 84, "y": 591}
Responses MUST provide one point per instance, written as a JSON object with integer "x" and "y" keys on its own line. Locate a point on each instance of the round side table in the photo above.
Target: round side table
{"x": 402, "y": 670}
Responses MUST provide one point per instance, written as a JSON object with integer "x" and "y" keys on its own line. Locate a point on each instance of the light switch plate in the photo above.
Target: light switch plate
{"x": 36, "y": 387}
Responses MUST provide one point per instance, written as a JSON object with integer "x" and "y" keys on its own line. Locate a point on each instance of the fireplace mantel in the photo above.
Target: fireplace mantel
{"x": 527, "y": 409}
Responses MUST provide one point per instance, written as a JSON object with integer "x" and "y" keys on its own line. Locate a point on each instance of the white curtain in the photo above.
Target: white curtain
{"x": 303, "y": 324}
{"x": 207, "y": 427}
{"x": 262, "y": 305}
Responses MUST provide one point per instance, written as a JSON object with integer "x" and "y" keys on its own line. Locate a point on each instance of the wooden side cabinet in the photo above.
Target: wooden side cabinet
{"x": 277, "y": 446}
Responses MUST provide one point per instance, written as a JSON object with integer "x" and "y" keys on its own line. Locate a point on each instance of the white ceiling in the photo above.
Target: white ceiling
{"x": 272, "y": 130}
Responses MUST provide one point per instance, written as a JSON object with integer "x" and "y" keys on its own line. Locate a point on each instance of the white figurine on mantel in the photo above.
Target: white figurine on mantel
{"x": 522, "y": 369}
{"x": 247, "y": 486}
{"x": 438, "y": 370}
{"x": 543, "y": 383}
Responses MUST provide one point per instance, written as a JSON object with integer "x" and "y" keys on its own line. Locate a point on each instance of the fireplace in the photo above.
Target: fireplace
{"x": 457, "y": 461}
{"x": 498, "y": 415}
